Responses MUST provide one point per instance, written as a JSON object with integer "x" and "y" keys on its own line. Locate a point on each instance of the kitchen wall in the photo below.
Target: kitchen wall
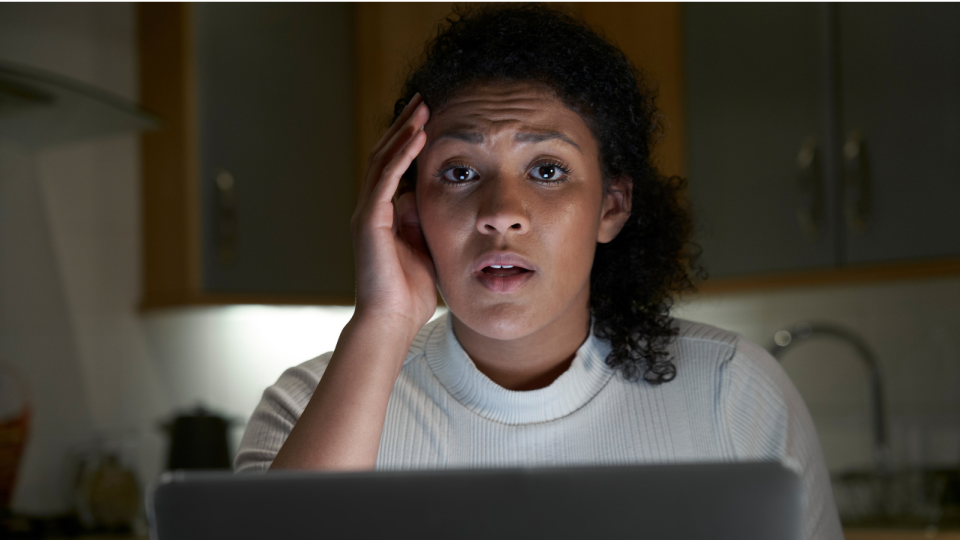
{"x": 69, "y": 234}
{"x": 69, "y": 286}
{"x": 913, "y": 328}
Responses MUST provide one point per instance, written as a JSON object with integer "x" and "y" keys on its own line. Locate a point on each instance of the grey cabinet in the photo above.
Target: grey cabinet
{"x": 822, "y": 135}
{"x": 900, "y": 90}
{"x": 276, "y": 118}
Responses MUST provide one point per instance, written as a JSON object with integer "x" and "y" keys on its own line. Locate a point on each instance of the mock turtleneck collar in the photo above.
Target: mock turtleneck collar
{"x": 587, "y": 375}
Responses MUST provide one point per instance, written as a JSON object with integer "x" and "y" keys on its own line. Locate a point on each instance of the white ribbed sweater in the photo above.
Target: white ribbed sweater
{"x": 730, "y": 401}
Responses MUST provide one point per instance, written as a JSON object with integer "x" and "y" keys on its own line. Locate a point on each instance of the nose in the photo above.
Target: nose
{"x": 502, "y": 208}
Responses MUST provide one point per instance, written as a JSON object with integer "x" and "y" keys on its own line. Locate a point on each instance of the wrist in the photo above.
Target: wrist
{"x": 398, "y": 330}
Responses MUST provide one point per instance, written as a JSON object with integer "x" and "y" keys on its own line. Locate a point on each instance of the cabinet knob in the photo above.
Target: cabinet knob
{"x": 856, "y": 181}
{"x": 810, "y": 189}
{"x": 225, "y": 217}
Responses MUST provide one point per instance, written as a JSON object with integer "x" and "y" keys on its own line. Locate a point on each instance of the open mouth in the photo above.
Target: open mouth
{"x": 504, "y": 270}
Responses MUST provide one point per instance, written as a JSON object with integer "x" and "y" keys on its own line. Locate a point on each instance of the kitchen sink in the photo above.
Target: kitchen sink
{"x": 910, "y": 499}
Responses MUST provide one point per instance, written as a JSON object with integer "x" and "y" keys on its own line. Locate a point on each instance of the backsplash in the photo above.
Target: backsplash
{"x": 913, "y": 328}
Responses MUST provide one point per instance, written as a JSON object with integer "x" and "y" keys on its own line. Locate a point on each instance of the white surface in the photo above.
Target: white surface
{"x": 913, "y": 328}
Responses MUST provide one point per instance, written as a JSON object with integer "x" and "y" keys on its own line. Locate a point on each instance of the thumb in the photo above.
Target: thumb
{"x": 410, "y": 230}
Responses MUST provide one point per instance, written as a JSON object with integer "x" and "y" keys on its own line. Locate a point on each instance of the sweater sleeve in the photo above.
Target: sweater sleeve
{"x": 278, "y": 411}
{"x": 766, "y": 419}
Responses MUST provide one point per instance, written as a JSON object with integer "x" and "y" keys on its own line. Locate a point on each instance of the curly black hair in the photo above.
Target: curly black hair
{"x": 635, "y": 277}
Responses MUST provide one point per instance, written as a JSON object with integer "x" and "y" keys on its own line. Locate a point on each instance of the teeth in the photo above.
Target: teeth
{"x": 501, "y": 266}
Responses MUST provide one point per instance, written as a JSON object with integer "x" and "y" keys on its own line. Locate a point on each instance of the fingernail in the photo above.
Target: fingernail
{"x": 411, "y": 103}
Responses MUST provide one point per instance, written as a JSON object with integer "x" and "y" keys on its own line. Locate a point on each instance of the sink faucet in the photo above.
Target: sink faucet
{"x": 786, "y": 339}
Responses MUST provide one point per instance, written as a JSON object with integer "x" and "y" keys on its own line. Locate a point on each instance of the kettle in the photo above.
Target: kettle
{"x": 198, "y": 440}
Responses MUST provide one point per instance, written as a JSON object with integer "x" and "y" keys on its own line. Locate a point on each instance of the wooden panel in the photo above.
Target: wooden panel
{"x": 895, "y": 534}
{"x": 924, "y": 269}
{"x": 650, "y": 34}
{"x": 219, "y": 299}
{"x": 390, "y": 38}
{"x": 171, "y": 253}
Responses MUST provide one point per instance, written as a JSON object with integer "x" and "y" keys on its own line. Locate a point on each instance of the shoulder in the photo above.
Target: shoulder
{"x": 279, "y": 409}
{"x": 297, "y": 384}
{"x": 752, "y": 397}
{"x": 698, "y": 346}
{"x": 284, "y": 401}
{"x": 760, "y": 412}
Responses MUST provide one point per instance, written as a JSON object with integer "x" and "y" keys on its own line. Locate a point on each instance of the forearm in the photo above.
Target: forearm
{"x": 341, "y": 426}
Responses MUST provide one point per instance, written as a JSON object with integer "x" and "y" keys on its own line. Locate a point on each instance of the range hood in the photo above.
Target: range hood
{"x": 39, "y": 109}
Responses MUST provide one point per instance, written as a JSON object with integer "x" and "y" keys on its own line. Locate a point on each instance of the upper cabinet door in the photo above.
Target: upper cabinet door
{"x": 900, "y": 84}
{"x": 757, "y": 100}
{"x": 277, "y": 140}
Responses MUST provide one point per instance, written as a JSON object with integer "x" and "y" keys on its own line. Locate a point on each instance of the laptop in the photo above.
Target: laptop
{"x": 742, "y": 501}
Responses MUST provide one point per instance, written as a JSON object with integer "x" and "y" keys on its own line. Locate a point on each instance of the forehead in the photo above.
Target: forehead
{"x": 489, "y": 109}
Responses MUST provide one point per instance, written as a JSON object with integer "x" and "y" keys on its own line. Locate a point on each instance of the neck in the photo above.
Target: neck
{"x": 533, "y": 361}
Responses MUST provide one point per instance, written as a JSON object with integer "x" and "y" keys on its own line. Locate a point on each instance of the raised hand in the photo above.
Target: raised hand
{"x": 396, "y": 282}
{"x": 340, "y": 427}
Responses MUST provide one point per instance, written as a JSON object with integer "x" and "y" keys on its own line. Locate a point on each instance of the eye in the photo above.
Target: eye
{"x": 456, "y": 173}
{"x": 551, "y": 172}
{"x": 459, "y": 174}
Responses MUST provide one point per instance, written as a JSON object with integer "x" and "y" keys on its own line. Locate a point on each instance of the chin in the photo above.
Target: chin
{"x": 502, "y": 321}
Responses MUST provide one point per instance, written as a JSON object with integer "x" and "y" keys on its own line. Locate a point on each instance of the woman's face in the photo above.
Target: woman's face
{"x": 510, "y": 176}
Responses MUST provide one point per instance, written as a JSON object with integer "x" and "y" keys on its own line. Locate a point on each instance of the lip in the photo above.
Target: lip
{"x": 503, "y": 258}
{"x": 503, "y": 284}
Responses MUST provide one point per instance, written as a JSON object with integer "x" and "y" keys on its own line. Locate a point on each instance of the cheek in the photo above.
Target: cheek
{"x": 443, "y": 222}
{"x": 574, "y": 219}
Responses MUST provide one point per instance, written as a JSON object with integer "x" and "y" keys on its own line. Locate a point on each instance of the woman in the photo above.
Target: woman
{"x": 532, "y": 204}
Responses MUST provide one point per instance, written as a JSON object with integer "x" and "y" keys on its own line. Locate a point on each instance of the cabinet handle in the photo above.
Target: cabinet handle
{"x": 810, "y": 189}
{"x": 225, "y": 217}
{"x": 856, "y": 181}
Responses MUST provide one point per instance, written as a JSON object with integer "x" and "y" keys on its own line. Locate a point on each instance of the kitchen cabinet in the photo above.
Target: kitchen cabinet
{"x": 268, "y": 114}
{"x": 275, "y": 90}
{"x": 754, "y": 95}
{"x": 821, "y": 139}
{"x": 249, "y": 188}
{"x": 900, "y": 91}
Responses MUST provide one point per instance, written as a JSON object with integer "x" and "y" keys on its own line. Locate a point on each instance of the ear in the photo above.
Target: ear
{"x": 407, "y": 219}
{"x": 615, "y": 209}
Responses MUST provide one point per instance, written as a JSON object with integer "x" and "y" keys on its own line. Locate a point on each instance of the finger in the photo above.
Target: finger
{"x": 406, "y": 132}
{"x": 395, "y": 126}
{"x": 390, "y": 179}
{"x": 397, "y": 143}
{"x": 375, "y": 155}
{"x": 395, "y": 147}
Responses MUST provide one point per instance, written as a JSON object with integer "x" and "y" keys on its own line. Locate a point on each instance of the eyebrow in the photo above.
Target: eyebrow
{"x": 545, "y": 136}
{"x": 460, "y": 135}
{"x": 477, "y": 138}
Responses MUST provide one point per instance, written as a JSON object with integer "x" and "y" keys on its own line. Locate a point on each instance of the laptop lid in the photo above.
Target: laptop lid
{"x": 742, "y": 501}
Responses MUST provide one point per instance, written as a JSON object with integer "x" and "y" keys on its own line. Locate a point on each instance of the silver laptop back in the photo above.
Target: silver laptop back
{"x": 742, "y": 501}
